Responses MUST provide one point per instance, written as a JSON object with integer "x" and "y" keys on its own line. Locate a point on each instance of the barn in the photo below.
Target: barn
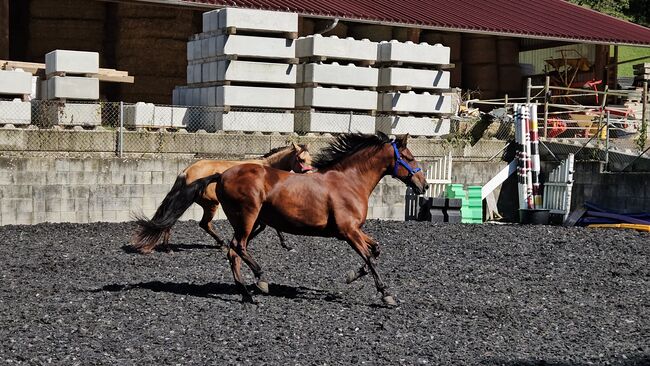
{"x": 494, "y": 44}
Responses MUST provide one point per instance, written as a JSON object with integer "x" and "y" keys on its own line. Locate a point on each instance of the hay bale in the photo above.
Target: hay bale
{"x": 508, "y": 51}
{"x": 373, "y": 32}
{"x": 510, "y": 80}
{"x": 431, "y": 37}
{"x": 155, "y": 66}
{"x": 478, "y": 49}
{"x": 67, "y": 29}
{"x": 155, "y": 28}
{"x": 153, "y": 11}
{"x": 483, "y": 77}
{"x": 456, "y": 75}
{"x": 67, "y": 9}
{"x": 341, "y": 29}
{"x": 146, "y": 84}
{"x": 151, "y": 48}
{"x": 306, "y": 27}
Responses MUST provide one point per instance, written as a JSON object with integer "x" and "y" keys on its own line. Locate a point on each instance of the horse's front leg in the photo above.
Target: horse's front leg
{"x": 360, "y": 243}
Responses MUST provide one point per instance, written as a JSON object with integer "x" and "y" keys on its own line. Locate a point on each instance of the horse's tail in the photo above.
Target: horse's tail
{"x": 175, "y": 203}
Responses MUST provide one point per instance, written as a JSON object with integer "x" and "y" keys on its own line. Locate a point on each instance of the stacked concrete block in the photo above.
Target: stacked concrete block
{"x": 321, "y": 48}
{"x": 150, "y": 115}
{"x": 243, "y": 59}
{"x": 335, "y": 77}
{"x": 68, "y": 81}
{"x": 415, "y": 88}
{"x": 15, "y": 84}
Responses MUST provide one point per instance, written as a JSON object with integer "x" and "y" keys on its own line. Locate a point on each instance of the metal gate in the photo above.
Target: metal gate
{"x": 557, "y": 189}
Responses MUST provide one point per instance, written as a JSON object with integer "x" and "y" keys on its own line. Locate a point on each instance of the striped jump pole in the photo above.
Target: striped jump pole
{"x": 525, "y": 112}
{"x": 535, "y": 165}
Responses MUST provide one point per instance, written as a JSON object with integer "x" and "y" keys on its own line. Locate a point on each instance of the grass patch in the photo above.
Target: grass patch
{"x": 629, "y": 53}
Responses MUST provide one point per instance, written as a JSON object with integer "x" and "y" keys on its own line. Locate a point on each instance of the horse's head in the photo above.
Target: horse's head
{"x": 405, "y": 167}
{"x": 301, "y": 162}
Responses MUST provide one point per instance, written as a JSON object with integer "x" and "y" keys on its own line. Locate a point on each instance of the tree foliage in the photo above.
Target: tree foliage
{"x": 637, "y": 11}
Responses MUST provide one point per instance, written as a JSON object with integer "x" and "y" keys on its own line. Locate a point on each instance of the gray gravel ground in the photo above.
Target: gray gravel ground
{"x": 469, "y": 295}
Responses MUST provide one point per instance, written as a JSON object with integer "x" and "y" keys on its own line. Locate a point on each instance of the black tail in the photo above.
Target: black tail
{"x": 176, "y": 202}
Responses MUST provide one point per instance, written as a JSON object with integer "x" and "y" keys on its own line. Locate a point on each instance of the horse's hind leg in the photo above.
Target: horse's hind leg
{"x": 209, "y": 210}
{"x": 358, "y": 240}
{"x": 283, "y": 241}
{"x": 353, "y": 275}
{"x": 242, "y": 251}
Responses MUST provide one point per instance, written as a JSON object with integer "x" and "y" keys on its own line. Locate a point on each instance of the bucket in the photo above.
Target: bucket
{"x": 538, "y": 216}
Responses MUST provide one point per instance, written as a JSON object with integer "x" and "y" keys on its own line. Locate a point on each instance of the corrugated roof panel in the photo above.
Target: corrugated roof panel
{"x": 554, "y": 19}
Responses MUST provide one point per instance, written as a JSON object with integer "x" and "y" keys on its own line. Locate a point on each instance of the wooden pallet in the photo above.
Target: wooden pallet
{"x": 317, "y": 59}
{"x": 318, "y": 85}
{"x": 289, "y": 60}
{"x": 106, "y": 75}
{"x": 416, "y": 66}
{"x": 312, "y": 109}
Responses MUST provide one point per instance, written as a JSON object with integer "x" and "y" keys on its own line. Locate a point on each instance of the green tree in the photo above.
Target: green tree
{"x": 637, "y": 11}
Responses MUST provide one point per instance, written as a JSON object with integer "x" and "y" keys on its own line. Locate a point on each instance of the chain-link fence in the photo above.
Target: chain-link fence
{"x": 127, "y": 129}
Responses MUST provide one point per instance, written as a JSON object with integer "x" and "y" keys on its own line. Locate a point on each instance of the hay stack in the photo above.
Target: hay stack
{"x": 510, "y": 79}
{"x": 65, "y": 24}
{"x": 151, "y": 45}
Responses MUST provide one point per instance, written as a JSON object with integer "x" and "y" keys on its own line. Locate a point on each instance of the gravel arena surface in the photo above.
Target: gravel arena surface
{"x": 468, "y": 295}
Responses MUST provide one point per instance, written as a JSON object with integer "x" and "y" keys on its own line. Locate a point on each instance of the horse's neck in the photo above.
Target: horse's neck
{"x": 279, "y": 160}
{"x": 366, "y": 169}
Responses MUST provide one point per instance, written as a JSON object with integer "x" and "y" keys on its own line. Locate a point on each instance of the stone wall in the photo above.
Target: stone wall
{"x": 48, "y": 189}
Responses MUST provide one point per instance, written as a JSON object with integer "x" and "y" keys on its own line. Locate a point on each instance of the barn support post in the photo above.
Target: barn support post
{"x": 529, "y": 86}
{"x": 4, "y": 29}
{"x": 644, "y": 112}
{"x": 607, "y": 143}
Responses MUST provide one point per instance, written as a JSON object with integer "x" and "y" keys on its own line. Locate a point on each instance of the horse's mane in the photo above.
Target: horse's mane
{"x": 276, "y": 150}
{"x": 346, "y": 144}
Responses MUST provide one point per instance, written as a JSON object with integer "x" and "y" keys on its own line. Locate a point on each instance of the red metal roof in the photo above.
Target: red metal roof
{"x": 548, "y": 19}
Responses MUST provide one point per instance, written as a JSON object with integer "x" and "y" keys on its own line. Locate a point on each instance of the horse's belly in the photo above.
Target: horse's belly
{"x": 295, "y": 220}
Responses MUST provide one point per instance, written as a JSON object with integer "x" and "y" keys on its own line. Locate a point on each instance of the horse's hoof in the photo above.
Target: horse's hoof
{"x": 263, "y": 286}
{"x": 389, "y": 300}
{"x": 248, "y": 299}
{"x": 351, "y": 276}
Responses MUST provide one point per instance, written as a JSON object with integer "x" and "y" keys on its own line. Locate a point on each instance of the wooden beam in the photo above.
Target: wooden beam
{"x": 107, "y": 75}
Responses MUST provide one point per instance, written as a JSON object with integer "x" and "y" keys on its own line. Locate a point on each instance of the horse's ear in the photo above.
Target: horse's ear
{"x": 305, "y": 147}
{"x": 295, "y": 146}
{"x": 382, "y": 135}
{"x": 402, "y": 140}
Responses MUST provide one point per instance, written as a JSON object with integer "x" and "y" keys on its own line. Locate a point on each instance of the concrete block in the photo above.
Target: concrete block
{"x": 252, "y": 46}
{"x": 15, "y": 83}
{"x": 258, "y": 20}
{"x": 139, "y": 114}
{"x": 413, "y": 53}
{"x": 336, "y": 98}
{"x": 211, "y": 21}
{"x": 73, "y": 88}
{"x": 417, "y": 79}
{"x": 255, "y": 121}
{"x": 336, "y": 48}
{"x": 75, "y": 114}
{"x": 417, "y": 126}
{"x": 309, "y": 121}
{"x": 335, "y": 74}
{"x": 256, "y": 72}
{"x": 246, "y": 96}
{"x": 415, "y": 103}
{"x": 190, "y": 50}
{"x": 72, "y": 62}
{"x": 15, "y": 112}
{"x": 170, "y": 116}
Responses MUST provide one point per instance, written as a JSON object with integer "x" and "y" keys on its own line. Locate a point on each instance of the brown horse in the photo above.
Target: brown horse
{"x": 332, "y": 202}
{"x": 190, "y": 187}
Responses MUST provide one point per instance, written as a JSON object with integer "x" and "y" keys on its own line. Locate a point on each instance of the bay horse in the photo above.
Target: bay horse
{"x": 190, "y": 187}
{"x": 331, "y": 202}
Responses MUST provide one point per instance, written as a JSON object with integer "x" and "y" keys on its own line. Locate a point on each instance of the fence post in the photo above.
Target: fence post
{"x": 529, "y": 86}
{"x": 607, "y": 143}
{"x": 547, "y": 85}
{"x": 644, "y": 112}
{"x": 350, "y": 123}
{"x": 121, "y": 134}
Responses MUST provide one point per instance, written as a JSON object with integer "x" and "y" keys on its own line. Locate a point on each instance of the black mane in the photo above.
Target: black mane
{"x": 282, "y": 148}
{"x": 345, "y": 145}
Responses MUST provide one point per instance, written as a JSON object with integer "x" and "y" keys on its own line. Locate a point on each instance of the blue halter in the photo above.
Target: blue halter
{"x": 399, "y": 161}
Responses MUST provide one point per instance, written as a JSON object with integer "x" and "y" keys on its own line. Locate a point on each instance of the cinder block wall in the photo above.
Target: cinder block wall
{"x": 42, "y": 189}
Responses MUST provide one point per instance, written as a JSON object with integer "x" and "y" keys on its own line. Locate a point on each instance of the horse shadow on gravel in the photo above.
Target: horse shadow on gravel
{"x": 213, "y": 290}
{"x": 172, "y": 248}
